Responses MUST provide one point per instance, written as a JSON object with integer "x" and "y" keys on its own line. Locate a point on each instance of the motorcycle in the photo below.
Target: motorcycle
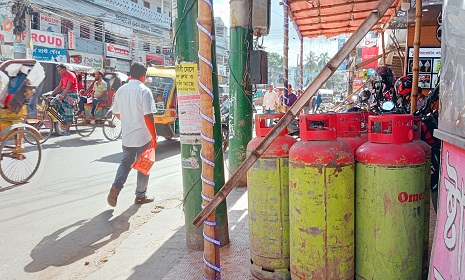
{"x": 224, "y": 111}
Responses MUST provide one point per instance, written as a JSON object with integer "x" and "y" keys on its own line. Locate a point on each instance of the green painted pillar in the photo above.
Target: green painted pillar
{"x": 186, "y": 50}
{"x": 241, "y": 111}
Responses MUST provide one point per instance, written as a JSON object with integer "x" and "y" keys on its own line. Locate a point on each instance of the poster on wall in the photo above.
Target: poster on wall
{"x": 369, "y": 53}
{"x": 448, "y": 255}
{"x": 188, "y": 103}
{"x": 49, "y": 54}
{"x": 86, "y": 59}
{"x": 50, "y": 23}
{"x": 429, "y": 63}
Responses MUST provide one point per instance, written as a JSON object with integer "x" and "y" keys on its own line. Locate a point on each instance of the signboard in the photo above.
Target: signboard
{"x": 7, "y": 25}
{"x": 154, "y": 60}
{"x": 117, "y": 51}
{"x": 121, "y": 19}
{"x": 48, "y": 54}
{"x": 71, "y": 40}
{"x": 188, "y": 103}
{"x": 123, "y": 66}
{"x": 46, "y": 39}
{"x": 358, "y": 83}
{"x": 91, "y": 60}
{"x": 369, "y": 53}
{"x": 448, "y": 255}
{"x": 7, "y": 52}
{"x": 430, "y": 64}
{"x": 50, "y": 23}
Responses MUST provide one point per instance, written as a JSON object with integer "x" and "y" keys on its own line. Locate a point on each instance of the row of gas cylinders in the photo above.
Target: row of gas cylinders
{"x": 338, "y": 204}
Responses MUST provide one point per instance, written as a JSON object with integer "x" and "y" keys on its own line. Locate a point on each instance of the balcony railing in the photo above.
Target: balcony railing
{"x": 135, "y": 10}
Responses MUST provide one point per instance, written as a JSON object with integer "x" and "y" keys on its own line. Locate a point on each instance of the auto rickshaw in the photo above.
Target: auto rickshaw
{"x": 161, "y": 81}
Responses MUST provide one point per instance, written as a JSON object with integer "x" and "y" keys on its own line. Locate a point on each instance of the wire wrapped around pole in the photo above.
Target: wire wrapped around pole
{"x": 212, "y": 269}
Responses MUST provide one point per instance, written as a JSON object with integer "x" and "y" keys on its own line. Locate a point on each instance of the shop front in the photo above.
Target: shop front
{"x": 448, "y": 256}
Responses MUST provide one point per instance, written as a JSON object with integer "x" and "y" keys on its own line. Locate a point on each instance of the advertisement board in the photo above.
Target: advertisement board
{"x": 50, "y": 54}
{"x": 448, "y": 256}
{"x": 369, "y": 53}
{"x": 50, "y": 23}
{"x": 429, "y": 63}
{"x": 46, "y": 39}
{"x": 86, "y": 59}
{"x": 117, "y": 51}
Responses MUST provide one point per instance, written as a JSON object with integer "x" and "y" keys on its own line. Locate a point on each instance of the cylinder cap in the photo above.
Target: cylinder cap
{"x": 349, "y": 124}
{"x": 261, "y": 127}
{"x": 390, "y": 129}
{"x": 318, "y": 127}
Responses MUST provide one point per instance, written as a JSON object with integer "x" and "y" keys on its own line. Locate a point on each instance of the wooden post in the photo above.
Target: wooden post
{"x": 290, "y": 115}
{"x": 286, "y": 54}
{"x": 416, "y": 56}
{"x": 301, "y": 76}
{"x": 383, "y": 48}
{"x": 211, "y": 244}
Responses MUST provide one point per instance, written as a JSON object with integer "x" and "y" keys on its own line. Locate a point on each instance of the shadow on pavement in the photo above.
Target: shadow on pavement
{"x": 174, "y": 254}
{"x": 57, "y": 250}
{"x": 72, "y": 142}
{"x": 165, "y": 149}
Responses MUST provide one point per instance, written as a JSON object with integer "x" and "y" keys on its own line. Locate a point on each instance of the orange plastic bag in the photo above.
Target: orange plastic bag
{"x": 144, "y": 162}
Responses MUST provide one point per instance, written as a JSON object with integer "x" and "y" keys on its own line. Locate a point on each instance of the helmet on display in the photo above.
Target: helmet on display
{"x": 403, "y": 85}
{"x": 386, "y": 74}
{"x": 363, "y": 96}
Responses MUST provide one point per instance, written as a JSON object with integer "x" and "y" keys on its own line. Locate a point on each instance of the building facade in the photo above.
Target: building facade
{"x": 93, "y": 33}
{"x": 222, "y": 50}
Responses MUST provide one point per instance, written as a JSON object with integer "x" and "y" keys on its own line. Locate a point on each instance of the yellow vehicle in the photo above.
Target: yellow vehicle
{"x": 161, "y": 81}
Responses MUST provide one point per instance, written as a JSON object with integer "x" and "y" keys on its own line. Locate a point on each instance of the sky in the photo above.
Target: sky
{"x": 274, "y": 41}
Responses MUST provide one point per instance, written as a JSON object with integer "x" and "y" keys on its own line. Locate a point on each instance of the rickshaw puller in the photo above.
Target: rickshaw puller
{"x": 65, "y": 101}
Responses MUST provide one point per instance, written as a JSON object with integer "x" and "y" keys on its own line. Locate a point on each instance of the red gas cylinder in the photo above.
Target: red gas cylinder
{"x": 268, "y": 195}
{"x": 349, "y": 127}
{"x": 389, "y": 201}
{"x": 364, "y": 131}
{"x": 321, "y": 202}
{"x": 427, "y": 149}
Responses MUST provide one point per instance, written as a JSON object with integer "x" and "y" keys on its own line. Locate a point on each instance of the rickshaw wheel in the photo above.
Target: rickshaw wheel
{"x": 111, "y": 127}
{"x": 59, "y": 128}
{"x": 19, "y": 162}
{"x": 84, "y": 128}
{"x": 44, "y": 126}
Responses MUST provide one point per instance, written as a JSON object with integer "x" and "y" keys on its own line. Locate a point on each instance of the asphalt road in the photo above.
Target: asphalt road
{"x": 59, "y": 225}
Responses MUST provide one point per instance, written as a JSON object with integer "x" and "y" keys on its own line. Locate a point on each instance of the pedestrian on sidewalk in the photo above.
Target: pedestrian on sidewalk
{"x": 134, "y": 106}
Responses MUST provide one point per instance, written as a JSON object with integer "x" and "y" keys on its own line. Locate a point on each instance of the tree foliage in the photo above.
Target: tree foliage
{"x": 275, "y": 60}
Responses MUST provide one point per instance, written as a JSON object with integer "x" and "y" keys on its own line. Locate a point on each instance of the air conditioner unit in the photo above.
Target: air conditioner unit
{"x": 110, "y": 63}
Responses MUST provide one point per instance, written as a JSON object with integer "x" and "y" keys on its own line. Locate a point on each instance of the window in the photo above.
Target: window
{"x": 98, "y": 30}
{"x": 84, "y": 31}
{"x": 66, "y": 26}
{"x": 146, "y": 4}
{"x": 146, "y": 47}
{"x": 158, "y": 10}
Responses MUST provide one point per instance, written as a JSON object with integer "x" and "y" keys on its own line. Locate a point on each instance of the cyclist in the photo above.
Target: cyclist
{"x": 65, "y": 101}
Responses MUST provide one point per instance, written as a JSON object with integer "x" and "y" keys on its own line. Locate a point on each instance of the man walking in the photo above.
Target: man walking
{"x": 134, "y": 106}
{"x": 270, "y": 101}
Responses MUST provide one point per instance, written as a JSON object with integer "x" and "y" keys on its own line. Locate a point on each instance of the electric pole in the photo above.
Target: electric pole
{"x": 241, "y": 111}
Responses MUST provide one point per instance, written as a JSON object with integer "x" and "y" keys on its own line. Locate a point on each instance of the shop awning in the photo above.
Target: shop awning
{"x": 329, "y": 18}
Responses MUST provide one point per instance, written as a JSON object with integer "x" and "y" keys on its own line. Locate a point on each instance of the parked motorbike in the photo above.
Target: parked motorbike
{"x": 224, "y": 111}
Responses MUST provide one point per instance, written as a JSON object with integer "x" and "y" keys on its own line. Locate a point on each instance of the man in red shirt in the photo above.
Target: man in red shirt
{"x": 65, "y": 101}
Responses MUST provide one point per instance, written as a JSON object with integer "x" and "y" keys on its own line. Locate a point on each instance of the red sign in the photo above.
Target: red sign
{"x": 448, "y": 255}
{"x": 71, "y": 41}
{"x": 369, "y": 53}
{"x": 154, "y": 60}
{"x": 358, "y": 83}
{"x": 118, "y": 51}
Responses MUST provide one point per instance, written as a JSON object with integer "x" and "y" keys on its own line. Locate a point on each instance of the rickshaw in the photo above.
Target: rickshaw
{"x": 19, "y": 160}
{"x": 49, "y": 118}
{"x": 161, "y": 81}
